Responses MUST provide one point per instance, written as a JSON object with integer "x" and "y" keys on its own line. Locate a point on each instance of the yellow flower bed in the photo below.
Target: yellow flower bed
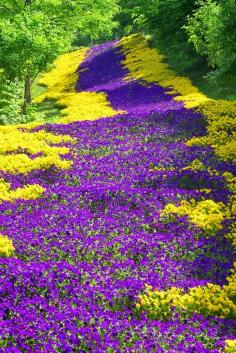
{"x": 13, "y": 139}
{"x": 209, "y": 300}
{"x": 28, "y": 192}
{"x": 230, "y": 346}
{"x": 206, "y": 214}
{"x": 196, "y": 165}
{"x": 220, "y": 114}
{"x": 16, "y": 143}
{"x": 6, "y": 246}
{"x": 60, "y": 83}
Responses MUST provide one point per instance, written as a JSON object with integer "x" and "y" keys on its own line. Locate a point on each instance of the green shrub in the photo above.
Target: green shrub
{"x": 11, "y": 101}
{"x": 212, "y": 31}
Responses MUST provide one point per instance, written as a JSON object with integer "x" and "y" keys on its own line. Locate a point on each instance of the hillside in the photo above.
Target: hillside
{"x": 117, "y": 220}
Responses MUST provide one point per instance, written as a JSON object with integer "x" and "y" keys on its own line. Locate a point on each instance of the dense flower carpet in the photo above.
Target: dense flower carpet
{"x": 117, "y": 222}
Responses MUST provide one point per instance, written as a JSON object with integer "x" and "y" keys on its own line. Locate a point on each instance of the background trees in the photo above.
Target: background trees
{"x": 34, "y": 32}
{"x": 212, "y": 31}
{"x": 198, "y": 32}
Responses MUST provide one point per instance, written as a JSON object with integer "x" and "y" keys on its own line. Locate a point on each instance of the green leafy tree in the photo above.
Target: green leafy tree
{"x": 131, "y": 17}
{"x": 212, "y": 31}
{"x": 164, "y": 18}
{"x": 34, "y": 32}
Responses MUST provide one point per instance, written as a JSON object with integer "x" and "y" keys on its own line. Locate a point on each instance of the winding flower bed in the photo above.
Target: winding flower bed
{"x": 127, "y": 242}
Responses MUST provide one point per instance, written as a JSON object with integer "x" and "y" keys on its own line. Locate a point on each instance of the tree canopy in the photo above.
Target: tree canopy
{"x": 34, "y": 32}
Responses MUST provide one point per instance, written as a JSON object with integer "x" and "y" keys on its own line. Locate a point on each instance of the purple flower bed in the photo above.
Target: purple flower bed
{"x": 86, "y": 249}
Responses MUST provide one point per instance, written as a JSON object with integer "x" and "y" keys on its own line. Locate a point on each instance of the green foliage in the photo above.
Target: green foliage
{"x": 96, "y": 18}
{"x": 212, "y": 31}
{"x": 34, "y": 32}
{"x": 131, "y": 17}
{"x": 163, "y": 19}
{"x": 197, "y": 36}
{"x": 166, "y": 17}
{"x": 10, "y": 101}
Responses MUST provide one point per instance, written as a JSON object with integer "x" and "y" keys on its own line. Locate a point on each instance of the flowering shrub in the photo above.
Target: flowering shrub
{"x": 15, "y": 142}
{"x": 137, "y": 60}
{"x": 221, "y": 128}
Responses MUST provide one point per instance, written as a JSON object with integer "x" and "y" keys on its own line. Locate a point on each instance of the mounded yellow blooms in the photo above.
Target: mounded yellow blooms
{"x": 6, "y": 246}
{"x": 60, "y": 83}
{"x": 230, "y": 346}
{"x": 16, "y": 144}
{"x": 28, "y": 192}
{"x": 63, "y": 76}
{"x": 12, "y": 139}
{"x": 157, "y": 303}
{"x": 206, "y": 214}
{"x": 220, "y": 114}
{"x": 221, "y": 118}
{"x": 208, "y": 300}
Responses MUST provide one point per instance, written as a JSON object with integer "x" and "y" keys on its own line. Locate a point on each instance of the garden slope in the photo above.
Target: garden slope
{"x": 86, "y": 248}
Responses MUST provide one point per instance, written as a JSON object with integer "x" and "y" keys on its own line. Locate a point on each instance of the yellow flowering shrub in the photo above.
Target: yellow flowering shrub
{"x": 208, "y": 300}
{"x": 17, "y": 143}
{"x": 60, "y": 83}
{"x": 13, "y": 139}
{"x": 220, "y": 114}
{"x": 206, "y": 214}
{"x": 28, "y": 192}
{"x": 63, "y": 76}
{"x": 221, "y": 128}
{"x": 230, "y": 346}
{"x": 6, "y": 246}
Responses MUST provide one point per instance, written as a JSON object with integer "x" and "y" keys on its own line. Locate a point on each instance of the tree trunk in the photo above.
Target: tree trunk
{"x": 27, "y": 93}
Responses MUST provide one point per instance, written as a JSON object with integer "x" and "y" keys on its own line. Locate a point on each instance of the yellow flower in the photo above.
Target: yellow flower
{"x": 206, "y": 214}
{"x": 6, "y": 246}
{"x": 230, "y": 346}
{"x": 28, "y": 192}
